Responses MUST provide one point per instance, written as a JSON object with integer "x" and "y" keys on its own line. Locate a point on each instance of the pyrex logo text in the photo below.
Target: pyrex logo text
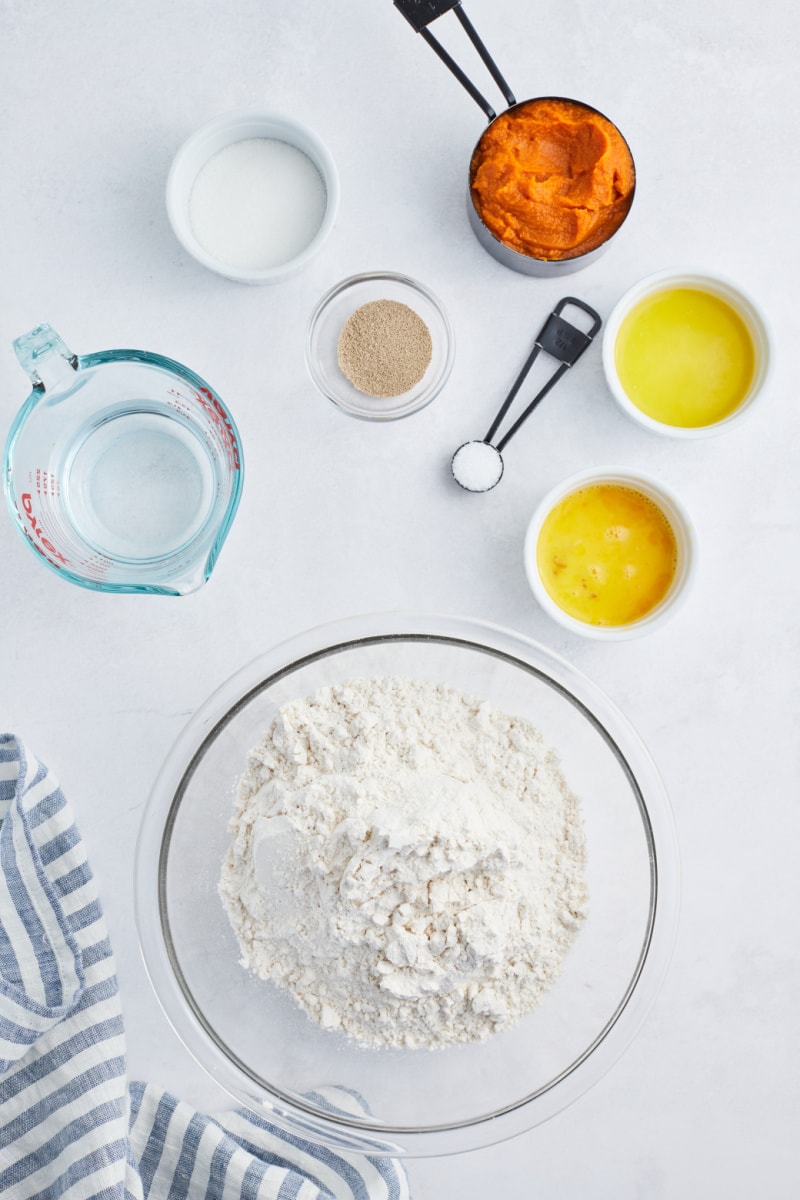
{"x": 46, "y": 545}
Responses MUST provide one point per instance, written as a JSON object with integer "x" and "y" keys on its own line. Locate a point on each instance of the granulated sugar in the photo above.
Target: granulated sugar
{"x": 477, "y": 466}
{"x": 407, "y": 861}
{"x": 257, "y": 203}
{"x": 384, "y": 348}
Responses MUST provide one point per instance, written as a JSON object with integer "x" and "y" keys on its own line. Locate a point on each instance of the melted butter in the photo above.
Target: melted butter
{"x": 606, "y": 554}
{"x": 685, "y": 357}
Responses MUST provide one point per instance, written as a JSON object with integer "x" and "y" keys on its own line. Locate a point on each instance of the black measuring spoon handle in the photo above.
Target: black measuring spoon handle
{"x": 540, "y": 395}
{"x": 564, "y": 342}
{"x": 420, "y": 14}
{"x": 509, "y": 400}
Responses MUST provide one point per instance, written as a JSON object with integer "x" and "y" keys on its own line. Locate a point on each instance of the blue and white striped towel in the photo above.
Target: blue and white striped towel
{"x": 69, "y": 1126}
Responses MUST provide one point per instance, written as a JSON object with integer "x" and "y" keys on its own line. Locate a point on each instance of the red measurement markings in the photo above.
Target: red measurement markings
{"x": 96, "y": 566}
{"x": 183, "y": 406}
{"x": 46, "y": 483}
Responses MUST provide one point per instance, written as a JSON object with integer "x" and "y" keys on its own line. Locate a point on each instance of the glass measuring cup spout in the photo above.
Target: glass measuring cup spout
{"x": 123, "y": 469}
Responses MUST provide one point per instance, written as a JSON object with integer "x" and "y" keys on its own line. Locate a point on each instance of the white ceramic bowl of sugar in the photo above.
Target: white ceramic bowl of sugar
{"x": 253, "y": 195}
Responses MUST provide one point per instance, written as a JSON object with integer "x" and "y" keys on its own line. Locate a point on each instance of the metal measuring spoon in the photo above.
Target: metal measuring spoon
{"x": 477, "y": 466}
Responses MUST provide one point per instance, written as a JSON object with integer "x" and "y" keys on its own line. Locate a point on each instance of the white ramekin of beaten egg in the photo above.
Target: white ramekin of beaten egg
{"x": 685, "y": 559}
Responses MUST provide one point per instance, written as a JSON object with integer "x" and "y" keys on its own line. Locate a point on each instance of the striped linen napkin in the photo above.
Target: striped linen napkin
{"x": 69, "y": 1125}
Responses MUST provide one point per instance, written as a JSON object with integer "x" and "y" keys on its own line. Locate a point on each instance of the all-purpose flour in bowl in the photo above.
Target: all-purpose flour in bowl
{"x": 407, "y": 861}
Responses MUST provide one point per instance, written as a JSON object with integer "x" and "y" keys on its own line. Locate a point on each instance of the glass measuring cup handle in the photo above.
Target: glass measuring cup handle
{"x": 45, "y": 358}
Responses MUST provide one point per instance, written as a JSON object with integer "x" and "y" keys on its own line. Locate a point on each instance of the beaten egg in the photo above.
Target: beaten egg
{"x": 607, "y": 554}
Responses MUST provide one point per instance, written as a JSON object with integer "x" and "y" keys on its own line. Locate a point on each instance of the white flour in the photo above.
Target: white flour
{"x": 407, "y": 861}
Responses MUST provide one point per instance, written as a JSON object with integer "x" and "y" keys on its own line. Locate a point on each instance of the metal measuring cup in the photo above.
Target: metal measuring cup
{"x": 420, "y": 14}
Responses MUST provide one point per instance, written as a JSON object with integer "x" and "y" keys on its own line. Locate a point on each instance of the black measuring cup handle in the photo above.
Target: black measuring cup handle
{"x": 420, "y": 14}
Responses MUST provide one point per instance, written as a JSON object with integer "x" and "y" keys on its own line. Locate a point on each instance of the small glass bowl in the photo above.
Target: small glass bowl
{"x": 326, "y": 326}
{"x": 682, "y": 527}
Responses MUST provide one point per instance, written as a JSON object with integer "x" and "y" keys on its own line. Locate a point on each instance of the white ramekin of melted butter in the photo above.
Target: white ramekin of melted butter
{"x": 686, "y": 354}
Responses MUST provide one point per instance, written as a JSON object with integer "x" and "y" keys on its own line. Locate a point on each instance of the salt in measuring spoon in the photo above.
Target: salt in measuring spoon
{"x": 477, "y": 466}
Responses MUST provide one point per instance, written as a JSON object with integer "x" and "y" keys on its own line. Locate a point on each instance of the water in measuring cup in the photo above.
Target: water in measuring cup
{"x": 140, "y": 486}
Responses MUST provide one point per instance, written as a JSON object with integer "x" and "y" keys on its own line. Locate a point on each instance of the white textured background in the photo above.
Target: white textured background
{"x": 340, "y": 517}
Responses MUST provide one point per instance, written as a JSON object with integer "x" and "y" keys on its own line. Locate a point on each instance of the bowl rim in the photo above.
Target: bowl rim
{"x": 674, "y": 510}
{"x": 363, "y": 1136}
{"x": 743, "y": 303}
{"x": 234, "y": 126}
{"x": 400, "y": 410}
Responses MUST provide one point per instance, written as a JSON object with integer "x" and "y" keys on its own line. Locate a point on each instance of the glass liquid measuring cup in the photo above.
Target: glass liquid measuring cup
{"x": 123, "y": 470}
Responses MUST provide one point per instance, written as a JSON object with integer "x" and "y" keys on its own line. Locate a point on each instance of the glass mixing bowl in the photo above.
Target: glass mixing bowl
{"x": 253, "y": 1039}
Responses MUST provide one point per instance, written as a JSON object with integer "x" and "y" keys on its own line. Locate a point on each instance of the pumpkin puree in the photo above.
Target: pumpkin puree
{"x": 552, "y": 178}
